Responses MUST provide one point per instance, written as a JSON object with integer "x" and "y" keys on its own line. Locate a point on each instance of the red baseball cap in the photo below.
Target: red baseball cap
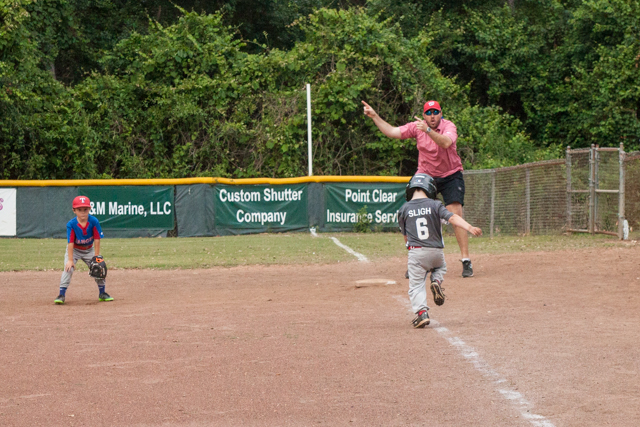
{"x": 81, "y": 202}
{"x": 430, "y": 105}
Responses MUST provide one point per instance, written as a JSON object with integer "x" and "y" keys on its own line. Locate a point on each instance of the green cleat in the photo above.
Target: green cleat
{"x": 105, "y": 297}
{"x": 60, "y": 299}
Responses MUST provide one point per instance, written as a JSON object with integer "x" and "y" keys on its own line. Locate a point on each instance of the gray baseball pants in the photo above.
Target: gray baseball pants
{"x": 83, "y": 254}
{"x": 420, "y": 262}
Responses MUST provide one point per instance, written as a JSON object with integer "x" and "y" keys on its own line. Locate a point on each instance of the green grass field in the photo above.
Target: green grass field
{"x": 292, "y": 248}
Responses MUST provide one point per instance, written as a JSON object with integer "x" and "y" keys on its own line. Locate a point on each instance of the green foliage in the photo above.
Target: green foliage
{"x": 185, "y": 100}
{"x": 611, "y": 111}
{"x": 364, "y": 221}
{"x": 349, "y": 57}
{"x": 490, "y": 140}
{"x": 31, "y": 133}
{"x": 567, "y": 70}
{"x": 114, "y": 88}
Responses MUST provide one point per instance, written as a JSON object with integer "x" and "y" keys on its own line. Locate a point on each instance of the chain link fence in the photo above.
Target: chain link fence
{"x": 524, "y": 199}
{"x": 632, "y": 191}
{"x": 581, "y": 193}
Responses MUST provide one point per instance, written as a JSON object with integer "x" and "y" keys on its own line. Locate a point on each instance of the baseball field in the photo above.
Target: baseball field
{"x": 295, "y": 330}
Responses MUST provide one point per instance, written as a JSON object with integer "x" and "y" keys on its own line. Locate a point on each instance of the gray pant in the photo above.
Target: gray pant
{"x": 422, "y": 261}
{"x": 83, "y": 254}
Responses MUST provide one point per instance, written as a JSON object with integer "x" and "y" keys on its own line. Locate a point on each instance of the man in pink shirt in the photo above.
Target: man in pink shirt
{"x": 437, "y": 156}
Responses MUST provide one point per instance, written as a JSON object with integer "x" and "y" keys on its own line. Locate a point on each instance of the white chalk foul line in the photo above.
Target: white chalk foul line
{"x": 515, "y": 398}
{"x": 358, "y": 255}
{"x": 512, "y": 396}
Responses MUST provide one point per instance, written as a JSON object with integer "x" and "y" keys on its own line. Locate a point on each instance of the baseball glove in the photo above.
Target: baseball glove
{"x": 97, "y": 267}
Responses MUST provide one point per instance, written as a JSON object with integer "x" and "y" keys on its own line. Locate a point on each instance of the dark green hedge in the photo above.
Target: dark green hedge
{"x": 114, "y": 89}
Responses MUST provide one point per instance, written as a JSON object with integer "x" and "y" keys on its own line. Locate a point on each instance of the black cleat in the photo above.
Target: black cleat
{"x": 438, "y": 294}
{"x": 421, "y": 320}
{"x": 467, "y": 268}
{"x": 60, "y": 299}
{"x": 406, "y": 275}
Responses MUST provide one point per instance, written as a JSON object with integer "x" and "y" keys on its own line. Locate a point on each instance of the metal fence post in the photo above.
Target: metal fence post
{"x": 596, "y": 185}
{"x": 621, "y": 214}
{"x": 527, "y": 196}
{"x": 493, "y": 201}
{"x": 592, "y": 188}
{"x": 568, "y": 167}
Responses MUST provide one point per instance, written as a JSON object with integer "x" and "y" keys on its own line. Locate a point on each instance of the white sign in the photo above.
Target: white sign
{"x": 7, "y": 211}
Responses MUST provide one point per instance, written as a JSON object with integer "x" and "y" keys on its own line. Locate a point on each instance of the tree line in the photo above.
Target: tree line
{"x": 155, "y": 88}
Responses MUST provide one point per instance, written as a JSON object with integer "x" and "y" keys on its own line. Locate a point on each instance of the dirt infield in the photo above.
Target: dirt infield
{"x": 302, "y": 346}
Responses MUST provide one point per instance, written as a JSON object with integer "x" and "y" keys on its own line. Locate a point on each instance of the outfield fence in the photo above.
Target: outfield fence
{"x": 593, "y": 190}
{"x": 524, "y": 199}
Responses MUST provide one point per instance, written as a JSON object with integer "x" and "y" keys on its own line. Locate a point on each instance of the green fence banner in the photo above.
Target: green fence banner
{"x": 261, "y": 207}
{"x": 132, "y": 207}
{"x": 343, "y": 202}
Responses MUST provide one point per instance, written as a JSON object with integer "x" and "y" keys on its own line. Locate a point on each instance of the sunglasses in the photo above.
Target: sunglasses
{"x": 432, "y": 112}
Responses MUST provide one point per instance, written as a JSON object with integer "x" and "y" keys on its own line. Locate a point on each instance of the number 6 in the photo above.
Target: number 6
{"x": 423, "y": 230}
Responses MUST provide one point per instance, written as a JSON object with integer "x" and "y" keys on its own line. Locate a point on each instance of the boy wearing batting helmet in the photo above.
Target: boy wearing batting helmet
{"x": 420, "y": 220}
{"x": 83, "y": 242}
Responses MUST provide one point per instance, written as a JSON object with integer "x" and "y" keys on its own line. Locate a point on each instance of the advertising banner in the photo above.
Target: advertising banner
{"x": 7, "y": 211}
{"x": 132, "y": 207}
{"x": 259, "y": 208}
{"x": 344, "y": 201}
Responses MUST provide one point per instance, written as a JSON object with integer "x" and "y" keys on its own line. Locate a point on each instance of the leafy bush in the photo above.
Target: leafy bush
{"x": 364, "y": 221}
{"x": 99, "y": 90}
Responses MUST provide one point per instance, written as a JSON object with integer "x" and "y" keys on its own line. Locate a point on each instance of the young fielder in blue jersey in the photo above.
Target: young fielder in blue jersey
{"x": 83, "y": 242}
{"x": 420, "y": 220}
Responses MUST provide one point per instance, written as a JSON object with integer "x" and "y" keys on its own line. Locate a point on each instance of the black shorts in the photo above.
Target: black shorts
{"x": 451, "y": 188}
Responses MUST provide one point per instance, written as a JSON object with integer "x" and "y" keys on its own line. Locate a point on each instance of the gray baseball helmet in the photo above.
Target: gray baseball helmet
{"x": 424, "y": 182}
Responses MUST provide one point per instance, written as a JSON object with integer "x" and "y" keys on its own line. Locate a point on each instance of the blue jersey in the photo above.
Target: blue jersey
{"x": 82, "y": 238}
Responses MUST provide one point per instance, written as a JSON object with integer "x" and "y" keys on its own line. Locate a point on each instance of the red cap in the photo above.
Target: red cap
{"x": 430, "y": 105}
{"x": 81, "y": 202}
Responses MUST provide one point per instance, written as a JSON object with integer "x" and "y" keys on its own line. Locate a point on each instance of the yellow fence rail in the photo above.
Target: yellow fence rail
{"x": 202, "y": 180}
